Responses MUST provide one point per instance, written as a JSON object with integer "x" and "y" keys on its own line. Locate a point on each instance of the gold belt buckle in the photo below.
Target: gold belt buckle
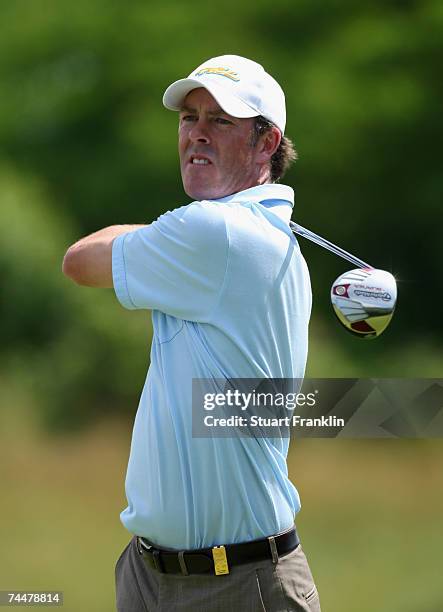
{"x": 220, "y": 560}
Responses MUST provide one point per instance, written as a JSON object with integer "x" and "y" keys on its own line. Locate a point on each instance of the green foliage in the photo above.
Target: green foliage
{"x": 85, "y": 142}
{"x": 73, "y": 351}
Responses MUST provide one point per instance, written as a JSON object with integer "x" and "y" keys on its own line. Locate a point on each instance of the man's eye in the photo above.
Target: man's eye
{"x": 222, "y": 121}
{"x": 188, "y": 118}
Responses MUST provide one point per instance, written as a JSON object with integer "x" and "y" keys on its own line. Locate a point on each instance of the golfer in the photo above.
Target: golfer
{"x": 212, "y": 517}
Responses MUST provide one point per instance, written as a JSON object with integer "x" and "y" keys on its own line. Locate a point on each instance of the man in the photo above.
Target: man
{"x": 212, "y": 517}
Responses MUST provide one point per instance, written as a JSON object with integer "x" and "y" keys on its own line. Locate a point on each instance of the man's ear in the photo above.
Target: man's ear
{"x": 268, "y": 144}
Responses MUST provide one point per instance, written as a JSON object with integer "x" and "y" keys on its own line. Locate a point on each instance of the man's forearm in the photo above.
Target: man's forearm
{"x": 89, "y": 260}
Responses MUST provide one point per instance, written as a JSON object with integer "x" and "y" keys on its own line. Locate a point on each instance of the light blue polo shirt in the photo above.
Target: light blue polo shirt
{"x": 231, "y": 298}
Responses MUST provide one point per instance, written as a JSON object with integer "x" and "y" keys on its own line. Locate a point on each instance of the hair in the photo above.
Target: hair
{"x": 284, "y": 156}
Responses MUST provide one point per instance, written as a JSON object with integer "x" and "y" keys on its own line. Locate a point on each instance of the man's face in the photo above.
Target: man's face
{"x": 216, "y": 156}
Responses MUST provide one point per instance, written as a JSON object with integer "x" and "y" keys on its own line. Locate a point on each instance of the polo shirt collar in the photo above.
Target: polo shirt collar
{"x": 278, "y": 198}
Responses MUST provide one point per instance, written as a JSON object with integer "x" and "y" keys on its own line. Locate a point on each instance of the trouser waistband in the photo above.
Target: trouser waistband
{"x": 218, "y": 559}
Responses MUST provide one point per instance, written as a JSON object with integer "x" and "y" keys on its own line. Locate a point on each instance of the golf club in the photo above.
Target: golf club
{"x": 363, "y": 299}
{"x": 302, "y": 231}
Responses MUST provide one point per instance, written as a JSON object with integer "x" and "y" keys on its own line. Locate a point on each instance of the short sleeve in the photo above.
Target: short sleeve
{"x": 175, "y": 265}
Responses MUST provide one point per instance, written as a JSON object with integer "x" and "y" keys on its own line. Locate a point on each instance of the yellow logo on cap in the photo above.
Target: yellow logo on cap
{"x": 222, "y": 71}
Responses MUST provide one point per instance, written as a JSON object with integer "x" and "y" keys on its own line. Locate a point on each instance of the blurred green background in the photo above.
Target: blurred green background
{"x": 85, "y": 143}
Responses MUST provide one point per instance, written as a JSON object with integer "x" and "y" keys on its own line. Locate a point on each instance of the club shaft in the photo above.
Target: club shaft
{"x": 305, "y": 233}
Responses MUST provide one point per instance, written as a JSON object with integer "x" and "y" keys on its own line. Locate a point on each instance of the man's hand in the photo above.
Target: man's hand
{"x": 88, "y": 262}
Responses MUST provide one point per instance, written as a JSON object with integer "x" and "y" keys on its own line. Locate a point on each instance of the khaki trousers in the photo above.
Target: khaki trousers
{"x": 261, "y": 586}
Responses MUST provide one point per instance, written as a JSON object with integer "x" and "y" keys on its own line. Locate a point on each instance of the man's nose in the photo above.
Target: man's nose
{"x": 199, "y": 132}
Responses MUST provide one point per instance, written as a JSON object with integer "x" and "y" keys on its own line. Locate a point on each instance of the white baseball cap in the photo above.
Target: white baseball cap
{"x": 240, "y": 86}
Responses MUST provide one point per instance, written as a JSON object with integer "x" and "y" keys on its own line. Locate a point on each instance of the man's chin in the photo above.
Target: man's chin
{"x": 201, "y": 192}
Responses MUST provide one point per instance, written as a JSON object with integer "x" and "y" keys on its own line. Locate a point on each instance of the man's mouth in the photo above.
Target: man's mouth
{"x": 199, "y": 160}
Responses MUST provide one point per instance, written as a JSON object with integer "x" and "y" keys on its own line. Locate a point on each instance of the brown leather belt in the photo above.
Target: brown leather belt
{"x": 219, "y": 559}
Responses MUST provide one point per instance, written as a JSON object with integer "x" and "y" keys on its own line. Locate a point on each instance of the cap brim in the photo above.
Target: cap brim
{"x": 175, "y": 95}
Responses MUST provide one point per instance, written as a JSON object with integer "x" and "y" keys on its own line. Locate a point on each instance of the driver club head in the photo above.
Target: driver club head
{"x": 364, "y": 301}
